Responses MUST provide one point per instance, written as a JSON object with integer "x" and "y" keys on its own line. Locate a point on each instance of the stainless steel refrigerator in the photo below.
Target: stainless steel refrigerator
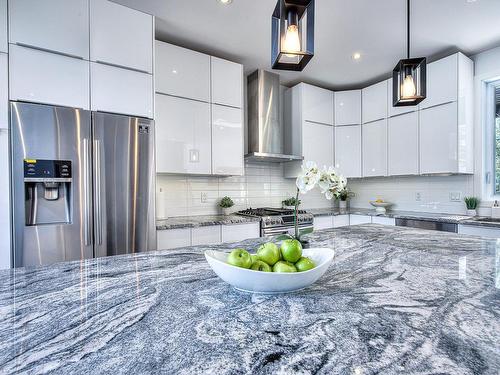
{"x": 82, "y": 184}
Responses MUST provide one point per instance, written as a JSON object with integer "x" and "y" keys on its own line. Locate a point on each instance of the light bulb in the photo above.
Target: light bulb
{"x": 292, "y": 41}
{"x": 408, "y": 88}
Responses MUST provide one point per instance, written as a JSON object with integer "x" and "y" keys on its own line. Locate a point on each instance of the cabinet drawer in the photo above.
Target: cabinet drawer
{"x": 340, "y": 221}
{"x": 209, "y": 235}
{"x": 43, "y": 77}
{"x": 359, "y": 219}
{"x": 323, "y": 222}
{"x": 383, "y": 220}
{"x": 121, "y": 91}
{"x": 240, "y": 232}
{"x": 55, "y": 25}
{"x": 172, "y": 238}
{"x": 227, "y": 82}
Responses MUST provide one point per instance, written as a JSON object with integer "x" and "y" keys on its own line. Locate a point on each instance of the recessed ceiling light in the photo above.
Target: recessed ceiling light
{"x": 356, "y": 56}
{"x": 225, "y": 2}
{"x": 471, "y": 1}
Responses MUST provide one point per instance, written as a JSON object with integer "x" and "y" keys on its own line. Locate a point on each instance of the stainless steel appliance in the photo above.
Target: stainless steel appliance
{"x": 276, "y": 221}
{"x": 428, "y": 224}
{"x": 82, "y": 184}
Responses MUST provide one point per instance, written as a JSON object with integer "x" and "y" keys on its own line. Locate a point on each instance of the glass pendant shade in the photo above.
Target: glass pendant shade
{"x": 292, "y": 34}
{"x": 408, "y": 82}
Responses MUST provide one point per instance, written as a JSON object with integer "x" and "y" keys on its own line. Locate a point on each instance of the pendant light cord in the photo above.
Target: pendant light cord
{"x": 407, "y": 29}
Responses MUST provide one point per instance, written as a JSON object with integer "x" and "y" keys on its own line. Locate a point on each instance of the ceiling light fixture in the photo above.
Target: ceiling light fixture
{"x": 409, "y": 75}
{"x": 225, "y": 2}
{"x": 356, "y": 56}
{"x": 292, "y": 34}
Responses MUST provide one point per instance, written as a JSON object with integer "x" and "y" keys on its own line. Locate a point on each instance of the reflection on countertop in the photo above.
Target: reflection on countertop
{"x": 395, "y": 300}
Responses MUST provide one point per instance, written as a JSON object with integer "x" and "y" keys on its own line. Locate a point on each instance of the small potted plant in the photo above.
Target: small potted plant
{"x": 225, "y": 204}
{"x": 290, "y": 203}
{"x": 343, "y": 197}
{"x": 471, "y": 203}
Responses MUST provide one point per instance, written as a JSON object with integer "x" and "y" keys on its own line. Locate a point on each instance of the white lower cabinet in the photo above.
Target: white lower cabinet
{"x": 240, "y": 232}
{"x": 323, "y": 222}
{"x": 209, "y": 235}
{"x": 5, "y": 253}
{"x": 402, "y": 144}
{"x": 183, "y": 139}
{"x": 359, "y": 219}
{"x": 383, "y": 220}
{"x": 121, "y": 91}
{"x": 172, "y": 238}
{"x": 374, "y": 137}
{"x": 479, "y": 231}
{"x": 227, "y": 140}
{"x": 44, "y": 77}
{"x": 348, "y": 150}
{"x": 341, "y": 221}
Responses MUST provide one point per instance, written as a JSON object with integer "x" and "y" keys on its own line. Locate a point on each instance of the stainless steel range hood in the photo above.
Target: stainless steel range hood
{"x": 265, "y": 130}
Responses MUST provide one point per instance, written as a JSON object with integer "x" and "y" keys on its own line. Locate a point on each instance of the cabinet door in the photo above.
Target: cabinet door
{"x": 122, "y": 91}
{"x": 172, "y": 238}
{"x": 359, "y": 219}
{"x": 340, "y": 221}
{"x": 473, "y": 230}
{"x": 348, "y": 150}
{"x": 182, "y": 136}
{"x": 4, "y": 200}
{"x": 442, "y": 83}
{"x": 3, "y": 26}
{"x": 374, "y": 137}
{"x": 209, "y": 235}
{"x": 227, "y": 140}
{"x": 317, "y": 143}
{"x": 394, "y": 111}
{"x": 4, "y": 92}
{"x": 121, "y": 36}
{"x": 375, "y": 102}
{"x": 317, "y": 104}
{"x": 383, "y": 220}
{"x": 182, "y": 72}
{"x": 323, "y": 222}
{"x": 438, "y": 139}
{"x": 55, "y": 25}
{"x": 403, "y": 144}
{"x": 43, "y": 77}
{"x": 227, "y": 82}
{"x": 348, "y": 107}
{"x": 240, "y": 232}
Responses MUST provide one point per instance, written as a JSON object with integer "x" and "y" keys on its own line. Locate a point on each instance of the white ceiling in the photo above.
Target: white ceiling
{"x": 375, "y": 28}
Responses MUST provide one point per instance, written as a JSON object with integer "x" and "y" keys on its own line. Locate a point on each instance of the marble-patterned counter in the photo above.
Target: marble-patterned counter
{"x": 430, "y": 216}
{"x": 202, "y": 220}
{"x": 395, "y": 301}
{"x": 482, "y": 222}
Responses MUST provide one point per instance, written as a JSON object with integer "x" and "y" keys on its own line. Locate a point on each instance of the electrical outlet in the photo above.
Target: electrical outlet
{"x": 204, "y": 198}
{"x": 418, "y": 196}
{"x": 455, "y": 196}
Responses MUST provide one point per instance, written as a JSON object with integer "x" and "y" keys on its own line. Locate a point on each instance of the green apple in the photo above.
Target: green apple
{"x": 269, "y": 253}
{"x": 254, "y": 257}
{"x": 240, "y": 258}
{"x": 291, "y": 250}
{"x": 284, "y": 266}
{"x": 304, "y": 264}
{"x": 261, "y": 266}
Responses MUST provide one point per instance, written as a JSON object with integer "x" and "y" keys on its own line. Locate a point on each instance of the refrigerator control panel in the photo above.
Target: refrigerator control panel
{"x": 47, "y": 169}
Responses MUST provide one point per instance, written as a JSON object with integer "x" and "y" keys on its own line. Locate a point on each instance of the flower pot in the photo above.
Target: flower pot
{"x": 471, "y": 212}
{"x": 343, "y": 205}
{"x": 226, "y": 211}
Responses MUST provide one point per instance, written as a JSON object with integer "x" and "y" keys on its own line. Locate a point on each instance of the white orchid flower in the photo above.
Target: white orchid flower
{"x": 308, "y": 177}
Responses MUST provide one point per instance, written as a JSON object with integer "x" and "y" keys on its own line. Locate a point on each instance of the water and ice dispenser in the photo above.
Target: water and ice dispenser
{"x": 47, "y": 186}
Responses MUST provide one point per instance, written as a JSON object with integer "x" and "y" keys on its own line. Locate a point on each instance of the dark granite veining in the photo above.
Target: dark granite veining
{"x": 482, "y": 222}
{"x": 202, "y": 221}
{"x": 395, "y": 301}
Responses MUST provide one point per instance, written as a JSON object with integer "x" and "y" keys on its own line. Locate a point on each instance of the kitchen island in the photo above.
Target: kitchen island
{"x": 395, "y": 300}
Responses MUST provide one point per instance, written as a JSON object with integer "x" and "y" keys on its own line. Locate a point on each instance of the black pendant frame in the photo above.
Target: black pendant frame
{"x": 417, "y": 68}
{"x": 292, "y": 11}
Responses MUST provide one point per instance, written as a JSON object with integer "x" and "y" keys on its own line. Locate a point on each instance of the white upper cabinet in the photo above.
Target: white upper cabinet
{"x": 182, "y": 72}
{"x": 56, "y": 25}
{"x": 374, "y": 153}
{"x": 227, "y": 82}
{"x": 403, "y": 144}
{"x": 317, "y": 143}
{"x": 49, "y": 78}
{"x": 4, "y": 92}
{"x": 395, "y": 111}
{"x": 121, "y": 36}
{"x": 183, "y": 139}
{"x": 227, "y": 140}
{"x": 348, "y": 150}
{"x": 3, "y": 26}
{"x": 317, "y": 104}
{"x": 121, "y": 91}
{"x": 348, "y": 107}
{"x": 442, "y": 84}
{"x": 374, "y": 102}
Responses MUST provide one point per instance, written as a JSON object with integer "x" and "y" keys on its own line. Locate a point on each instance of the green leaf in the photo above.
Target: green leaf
{"x": 283, "y": 237}
{"x": 305, "y": 231}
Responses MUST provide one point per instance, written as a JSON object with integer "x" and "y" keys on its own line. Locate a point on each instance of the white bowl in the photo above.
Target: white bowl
{"x": 380, "y": 206}
{"x": 270, "y": 282}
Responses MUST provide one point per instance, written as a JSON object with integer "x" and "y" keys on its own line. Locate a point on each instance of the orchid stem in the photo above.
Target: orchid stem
{"x": 295, "y": 215}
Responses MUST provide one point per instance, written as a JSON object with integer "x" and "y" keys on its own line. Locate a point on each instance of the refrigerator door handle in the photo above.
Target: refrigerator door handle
{"x": 86, "y": 193}
{"x": 97, "y": 189}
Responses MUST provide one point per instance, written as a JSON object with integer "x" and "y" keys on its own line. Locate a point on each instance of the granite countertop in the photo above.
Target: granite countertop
{"x": 395, "y": 301}
{"x": 482, "y": 222}
{"x": 202, "y": 221}
{"x": 431, "y": 216}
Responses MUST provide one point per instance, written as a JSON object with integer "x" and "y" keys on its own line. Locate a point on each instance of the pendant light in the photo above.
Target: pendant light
{"x": 292, "y": 34}
{"x": 409, "y": 75}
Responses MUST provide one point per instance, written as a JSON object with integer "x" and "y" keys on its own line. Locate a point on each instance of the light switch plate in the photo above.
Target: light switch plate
{"x": 418, "y": 196}
{"x": 455, "y": 196}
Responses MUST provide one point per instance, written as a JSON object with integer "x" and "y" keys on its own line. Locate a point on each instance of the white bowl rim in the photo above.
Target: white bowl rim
{"x": 207, "y": 254}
